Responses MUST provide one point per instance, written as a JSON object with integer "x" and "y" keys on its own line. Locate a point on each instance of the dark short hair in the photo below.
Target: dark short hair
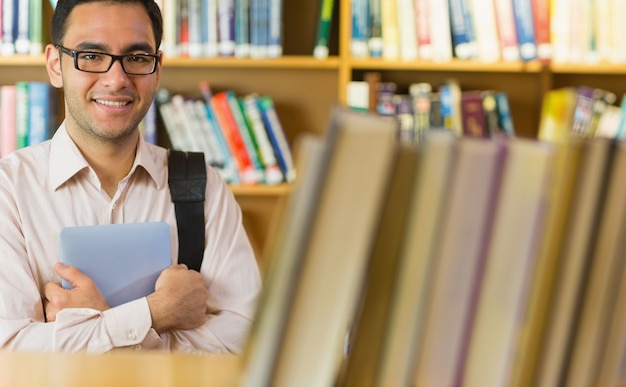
{"x": 65, "y": 7}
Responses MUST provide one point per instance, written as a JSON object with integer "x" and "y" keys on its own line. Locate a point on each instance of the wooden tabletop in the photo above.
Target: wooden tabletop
{"x": 117, "y": 369}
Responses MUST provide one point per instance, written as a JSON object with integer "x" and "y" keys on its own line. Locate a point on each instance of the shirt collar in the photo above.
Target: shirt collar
{"x": 66, "y": 160}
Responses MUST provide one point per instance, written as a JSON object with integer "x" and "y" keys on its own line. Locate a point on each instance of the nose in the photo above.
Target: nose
{"x": 116, "y": 77}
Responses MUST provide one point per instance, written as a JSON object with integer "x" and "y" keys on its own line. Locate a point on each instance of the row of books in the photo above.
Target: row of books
{"x": 569, "y": 31}
{"x": 29, "y": 114}
{"x": 229, "y": 28}
{"x": 21, "y": 27}
{"x": 481, "y": 113}
{"x": 241, "y": 136}
{"x": 582, "y": 111}
{"x": 457, "y": 261}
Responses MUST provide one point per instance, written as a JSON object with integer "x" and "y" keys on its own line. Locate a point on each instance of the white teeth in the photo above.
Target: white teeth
{"x": 111, "y": 103}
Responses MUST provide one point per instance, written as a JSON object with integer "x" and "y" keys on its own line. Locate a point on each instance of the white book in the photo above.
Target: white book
{"x": 7, "y": 46}
{"x": 441, "y": 40}
{"x": 170, "y": 29}
{"x": 391, "y": 33}
{"x": 486, "y": 30}
{"x": 210, "y": 25}
{"x": 22, "y": 41}
{"x": 407, "y": 29}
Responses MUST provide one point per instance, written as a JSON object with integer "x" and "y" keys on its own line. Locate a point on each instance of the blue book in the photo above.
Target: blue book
{"x": 360, "y": 28}
{"x": 242, "y": 27}
{"x": 124, "y": 260}
{"x": 42, "y": 112}
{"x": 462, "y": 29}
{"x": 275, "y": 29}
{"x": 524, "y": 26}
{"x": 276, "y": 133}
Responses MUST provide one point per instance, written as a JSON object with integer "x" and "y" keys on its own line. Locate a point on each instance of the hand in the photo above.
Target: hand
{"x": 85, "y": 293}
{"x": 179, "y": 299}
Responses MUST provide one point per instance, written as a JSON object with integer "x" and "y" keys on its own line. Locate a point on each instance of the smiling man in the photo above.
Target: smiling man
{"x": 98, "y": 170}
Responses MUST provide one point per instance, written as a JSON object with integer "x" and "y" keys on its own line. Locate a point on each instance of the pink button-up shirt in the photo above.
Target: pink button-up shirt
{"x": 48, "y": 186}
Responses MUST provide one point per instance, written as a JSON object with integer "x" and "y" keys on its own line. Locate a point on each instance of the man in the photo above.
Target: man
{"x": 97, "y": 170}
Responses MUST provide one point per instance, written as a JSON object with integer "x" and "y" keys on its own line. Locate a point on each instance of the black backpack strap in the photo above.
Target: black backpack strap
{"x": 187, "y": 182}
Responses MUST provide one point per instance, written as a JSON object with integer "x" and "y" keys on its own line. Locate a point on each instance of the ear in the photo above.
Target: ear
{"x": 53, "y": 66}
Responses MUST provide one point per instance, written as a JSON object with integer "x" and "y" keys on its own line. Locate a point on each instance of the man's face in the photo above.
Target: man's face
{"x": 107, "y": 106}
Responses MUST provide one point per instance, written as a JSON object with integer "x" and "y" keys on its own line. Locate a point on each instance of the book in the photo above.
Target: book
{"x": 403, "y": 106}
{"x": 505, "y": 22}
{"x": 359, "y": 13}
{"x": 407, "y": 31}
{"x": 373, "y": 79}
{"x": 42, "y": 110}
{"x": 226, "y": 27}
{"x": 541, "y": 24}
{"x": 35, "y": 28}
{"x": 275, "y": 44}
{"x": 557, "y": 114}
{"x": 390, "y": 29}
{"x": 505, "y": 117}
{"x": 21, "y": 113}
{"x": 421, "y": 101}
{"x": 559, "y": 203}
{"x": 440, "y": 35}
{"x": 509, "y": 263}
{"x": 485, "y": 31}
{"x": 375, "y": 41}
{"x": 605, "y": 264}
{"x": 423, "y": 29}
{"x": 560, "y": 26}
{"x": 182, "y": 28}
{"x": 578, "y": 244}
{"x": 450, "y": 99}
{"x": 323, "y": 29}
{"x": 171, "y": 120}
{"x": 124, "y": 260}
{"x": 242, "y": 26}
{"x": 170, "y": 27}
{"x": 334, "y": 258}
{"x": 252, "y": 113}
{"x": 9, "y": 27}
{"x": 210, "y": 27}
{"x": 276, "y": 134}
{"x": 248, "y": 174}
{"x": 259, "y": 28}
{"x": 22, "y": 37}
{"x": 407, "y": 312}
{"x": 459, "y": 260}
{"x": 526, "y": 40}
{"x": 369, "y": 328}
{"x": 194, "y": 29}
{"x": 462, "y": 29}
{"x": 357, "y": 95}
{"x": 473, "y": 114}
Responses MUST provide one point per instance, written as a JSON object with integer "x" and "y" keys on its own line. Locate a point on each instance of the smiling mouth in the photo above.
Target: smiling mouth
{"x": 112, "y": 103}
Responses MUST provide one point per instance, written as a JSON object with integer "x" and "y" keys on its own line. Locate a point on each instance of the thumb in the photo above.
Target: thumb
{"x": 69, "y": 273}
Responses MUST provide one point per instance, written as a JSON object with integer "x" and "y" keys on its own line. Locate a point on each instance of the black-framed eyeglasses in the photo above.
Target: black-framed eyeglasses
{"x": 101, "y": 62}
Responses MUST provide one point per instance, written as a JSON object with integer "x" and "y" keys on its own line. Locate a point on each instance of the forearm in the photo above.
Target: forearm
{"x": 83, "y": 329}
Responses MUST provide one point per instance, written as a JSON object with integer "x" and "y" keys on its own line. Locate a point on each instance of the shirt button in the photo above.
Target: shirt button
{"x": 137, "y": 347}
{"x": 132, "y": 336}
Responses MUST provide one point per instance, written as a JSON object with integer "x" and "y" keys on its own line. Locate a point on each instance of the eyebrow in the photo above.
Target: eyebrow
{"x": 92, "y": 46}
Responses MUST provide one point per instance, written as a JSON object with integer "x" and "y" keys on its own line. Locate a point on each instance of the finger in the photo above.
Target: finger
{"x": 70, "y": 274}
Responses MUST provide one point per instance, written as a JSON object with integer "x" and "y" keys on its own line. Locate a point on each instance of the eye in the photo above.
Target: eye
{"x": 90, "y": 56}
{"x": 138, "y": 58}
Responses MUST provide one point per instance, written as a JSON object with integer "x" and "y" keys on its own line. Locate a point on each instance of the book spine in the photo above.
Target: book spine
{"x": 210, "y": 28}
{"x": 422, "y": 22}
{"x": 360, "y": 28}
{"x": 252, "y": 113}
{"x": 505, "y": 22}
{"x": 560, "y": 24}
{"x": 462, "y": 35}
{"x": 323, "y": 29}
{"x": 171, "y": 120}
{"x": 420, "y": 99}
{"x": 9, "y": 22}
{"x": 275, "y": 44}
{"x": 36, "y": 28}
{"x": 541, "y": 21}
{"x": 276, "y": 133}
{"x": 390, "y": 29}
{"x": 242, "y": 26}
{"x": 21, "y": 114}
{"x": 226, "y": 122}
{"x": 226, "y": 25}
{"x": 357, "y": 95}
{"x": 170, "y": 27}
{"x": 486, "y": 31}
{"x": 22, "y": 39}
{"x": 247, "y": 135}
{"x": 407, "y": 29}
{"x": 505, "y": 119}
{"x": 375, "y": 41}
{"x": 38, "y": 112}
{"x": 195, "y": 28}
{"x": 522, "y": 11}
{"x": 473, "y": 114}
{"x": 441, "y": 40}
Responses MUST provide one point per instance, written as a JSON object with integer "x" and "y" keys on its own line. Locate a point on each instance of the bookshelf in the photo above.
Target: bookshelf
{"x": 304, "y": 88}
